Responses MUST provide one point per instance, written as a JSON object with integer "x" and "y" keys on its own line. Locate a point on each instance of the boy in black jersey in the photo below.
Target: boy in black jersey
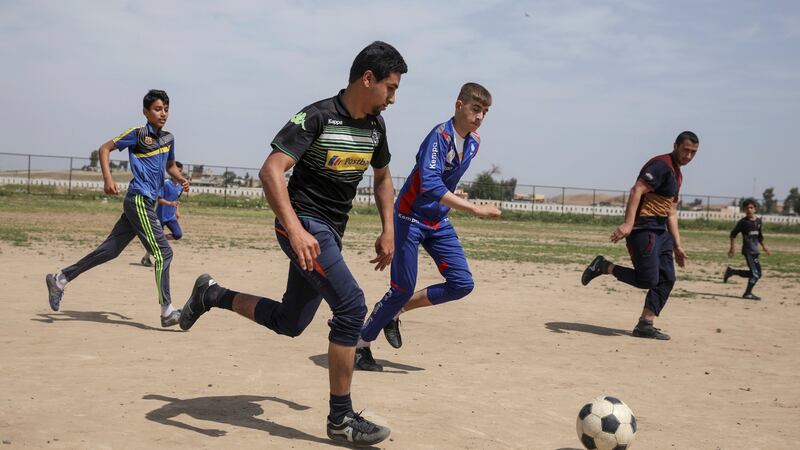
{"x": 750, "y": 227}
{"x": 328, "y": 144}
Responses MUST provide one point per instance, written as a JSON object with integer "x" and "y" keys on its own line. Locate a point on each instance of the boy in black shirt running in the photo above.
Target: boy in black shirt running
{"x": 750, "y": 227}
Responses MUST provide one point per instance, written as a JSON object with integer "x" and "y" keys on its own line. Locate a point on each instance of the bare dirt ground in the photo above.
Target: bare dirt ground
{"x": 508, "y": 367}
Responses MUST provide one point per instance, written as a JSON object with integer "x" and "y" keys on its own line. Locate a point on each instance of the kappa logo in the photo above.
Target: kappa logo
{"x": 299, "y": 119}
{"x": 649, "y": 176}
{"x": 334, "y": 122}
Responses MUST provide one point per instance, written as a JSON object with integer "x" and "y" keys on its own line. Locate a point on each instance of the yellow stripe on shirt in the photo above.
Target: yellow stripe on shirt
{"x": 161, "y": 150}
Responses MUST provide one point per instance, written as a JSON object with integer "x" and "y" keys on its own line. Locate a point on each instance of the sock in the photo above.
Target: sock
{"x": 223, "y": 298}
{"x": 643, "y": 321}
{"x": 166, "y": 310}
{"x": 362, "y": 343}
{"x": 604, "y": 265}
{"x": 61, "y": 280}
{"x": 340, "y": 406}
{"x": 397, "y": 316}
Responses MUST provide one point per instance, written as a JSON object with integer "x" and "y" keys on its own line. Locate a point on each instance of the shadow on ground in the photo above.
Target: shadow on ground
{"x": 566, "y": 327}
{"x": 106, "y": 317}
{"x": 388, "y": 366}
{"x": 234, "y": 410}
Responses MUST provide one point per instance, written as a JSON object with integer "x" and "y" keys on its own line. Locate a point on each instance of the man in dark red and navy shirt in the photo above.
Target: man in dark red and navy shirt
{"x": 752, "y": 237}
{"x": 651, "y": 232}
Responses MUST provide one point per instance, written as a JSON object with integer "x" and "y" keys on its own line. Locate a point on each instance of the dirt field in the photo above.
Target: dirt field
{"x": 508, "y": 367}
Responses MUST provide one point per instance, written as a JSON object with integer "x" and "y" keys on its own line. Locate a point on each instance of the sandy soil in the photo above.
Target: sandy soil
{"x": 508, "y": 367}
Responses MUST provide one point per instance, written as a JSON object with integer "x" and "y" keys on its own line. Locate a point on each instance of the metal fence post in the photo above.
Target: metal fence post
{"x": 533, "y": 198}
{"x": 29, "y": 174}
{"x": 69, "y": 184}
{"x": 594, "y": 201}
{"x": 225, "y": 186}
{"x": 563, "y": 199}
{"x": 708, "y": 207}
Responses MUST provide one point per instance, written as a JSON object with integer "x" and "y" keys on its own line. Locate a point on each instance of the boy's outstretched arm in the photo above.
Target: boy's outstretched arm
{"x": 455, "y": 202}
{"x": 109, "y": 186}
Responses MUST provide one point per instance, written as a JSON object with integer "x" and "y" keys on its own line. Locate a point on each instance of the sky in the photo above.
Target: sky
{"x": 584, "y": 92}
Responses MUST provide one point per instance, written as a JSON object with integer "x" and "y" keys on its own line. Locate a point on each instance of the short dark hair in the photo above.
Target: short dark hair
{"x": 749, "y": 201}
{"x": 474, "y": 92}
{"x": 379, "y": 57}
{"x": 687, "y": 135}
{"x": 153, "y": 95}
{"x": 178, "y": 163}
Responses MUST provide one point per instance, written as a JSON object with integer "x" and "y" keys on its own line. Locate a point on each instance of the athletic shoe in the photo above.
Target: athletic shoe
{"x": 196, "y": 306}
{"x": 146, "y": 261}
{"x": 365, "y": 361}
{"x": 728, "y": 274}
{"x": 172, "y": 319}
{"x": 54, "y": 292}
{"x": 648, "y": 331}
{"x": 751, "y": 297}
{"x": 392, "y": 333}
{"x": 592, "y": 270}
{"x": 357, "y": 430}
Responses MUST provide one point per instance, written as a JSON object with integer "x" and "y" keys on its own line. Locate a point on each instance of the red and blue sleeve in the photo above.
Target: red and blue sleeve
{"x": 431, "y": 166}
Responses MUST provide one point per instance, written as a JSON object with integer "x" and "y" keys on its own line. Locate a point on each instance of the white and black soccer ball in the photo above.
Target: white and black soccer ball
{"x": 606, "y": 424}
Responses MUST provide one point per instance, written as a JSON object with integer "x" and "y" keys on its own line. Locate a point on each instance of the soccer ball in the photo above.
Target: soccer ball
{"x": 606, "y": 424}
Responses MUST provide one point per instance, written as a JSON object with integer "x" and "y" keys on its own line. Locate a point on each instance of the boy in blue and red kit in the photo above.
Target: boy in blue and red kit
{"x": 752, "y": 237}
{"x": 421, "y": 217}
{"x": 168, "y": 210}
{"x": 651, "y": 233}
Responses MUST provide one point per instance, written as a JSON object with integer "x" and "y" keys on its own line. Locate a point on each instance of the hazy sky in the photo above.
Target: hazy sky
{"x": 584, "y": 91}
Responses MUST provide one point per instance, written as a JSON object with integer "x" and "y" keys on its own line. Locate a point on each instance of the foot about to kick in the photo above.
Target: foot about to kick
{"x": 146, "y": 261}
{"x": 728, "y": 274}
{"x": 197, "y": 305}
{"x": 648, "y": 331}
{"x": 392, "y": 333}
{"x": 751, "y": 297}
{"x": 365, "y": 361}
{"x": 593, "y": 270}
{"x": 172, "y": 319}
{"x": 54, "y": 293}
{"x": 357, "y": 430}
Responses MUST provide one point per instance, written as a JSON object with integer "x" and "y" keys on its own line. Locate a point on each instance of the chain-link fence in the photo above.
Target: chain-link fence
{"x": 240, "y": 186}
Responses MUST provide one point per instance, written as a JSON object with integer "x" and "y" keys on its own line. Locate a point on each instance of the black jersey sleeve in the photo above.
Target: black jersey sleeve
{"x": 299, "y": 133}
{"x": 654, "y": 174}
{"x": 736, "y": 229}
{"x": 381, "y": 155}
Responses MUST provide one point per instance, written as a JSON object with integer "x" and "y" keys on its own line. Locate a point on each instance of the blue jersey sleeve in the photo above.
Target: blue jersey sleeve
{"x": 127, "y": 138}
{"x": 431, "y": 163}
{"x": 654, "y": 174}
{"x": 171, "y": 155}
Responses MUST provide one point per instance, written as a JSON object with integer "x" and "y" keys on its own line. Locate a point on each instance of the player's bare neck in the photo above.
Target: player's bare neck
{"x": 351, "y": 104}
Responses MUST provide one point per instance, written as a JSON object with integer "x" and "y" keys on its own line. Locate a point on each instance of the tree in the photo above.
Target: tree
{"x": 228, "y": 178}
{"x": 93, "y": 158}
{"x": 487, "y": 188}
{"x": 792, "y": 203}
{"x": 770, "y": 204}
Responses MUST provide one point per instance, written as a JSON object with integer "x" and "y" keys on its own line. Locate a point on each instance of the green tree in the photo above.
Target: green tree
{"x": 228, "y": 178}
{"x": 770, "y": 204}
{"x": 792, "y": 203}
{"x": 486, "y": 187}
{"x": 93, "y": 158}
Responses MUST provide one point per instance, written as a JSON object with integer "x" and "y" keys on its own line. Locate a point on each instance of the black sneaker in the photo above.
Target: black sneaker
{"x": 196, "y": 306}
{"x": 648, "y": 331}
{"x": 728, "y": 274}
{"x": 392, "y": 333}
{"x": 365, "y": 361}
{"x": 357, "y": 430}
{"x": 146, "y": 261}
{"x": 593, "y": 270}
{"x": 172, "y": 319}
{"x": 54, "y": 293}
{"x": 751, "y": 297}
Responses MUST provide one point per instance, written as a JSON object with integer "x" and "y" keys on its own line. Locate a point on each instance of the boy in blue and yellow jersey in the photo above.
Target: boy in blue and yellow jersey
{"x": 752, "y": 237}
{"x": 651, "y": 232}
{"x": 421, "y": 218}
{"x": 168, "y": 210}
{"x": 150, "y": 150}
{"x": 328, "y": 144}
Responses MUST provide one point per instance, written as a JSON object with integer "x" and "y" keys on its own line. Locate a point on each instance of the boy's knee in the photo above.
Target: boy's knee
{"x": 177, "y": 236}
{"x": 462, "y": 289}
{"x": 647, "y": 281}
{"x": 347, "y": 322}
